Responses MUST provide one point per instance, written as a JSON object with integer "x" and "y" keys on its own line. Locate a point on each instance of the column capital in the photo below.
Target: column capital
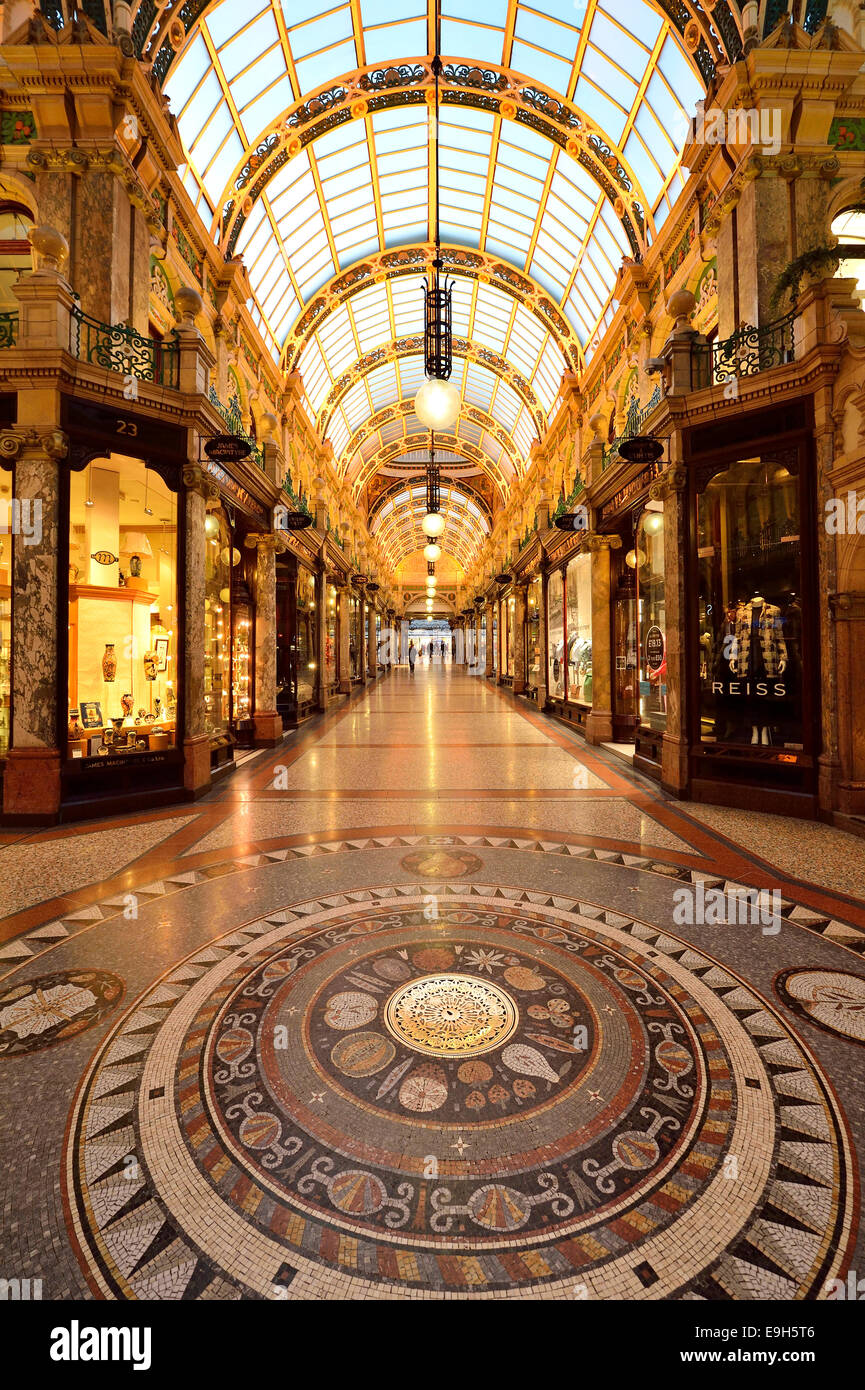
{"x": 595, "y": 542}
{"x": 673, "y": 479}
{"x": 267, "y": 542}
{"x": 52, "y": 444}
{"x": 195, "y": 479}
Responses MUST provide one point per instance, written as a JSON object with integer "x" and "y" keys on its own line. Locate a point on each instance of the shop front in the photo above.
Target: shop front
{"x": 233, "y": 522}
{"x": 534, "y": 601}
{"x": 753, "y": 651}
{"x": 569, "y": 635}
{"x": 120, "y": 612}
{"x": 636, "y": 617}
{"x": 356, "y": 635}
{"x": 297, "y": 634}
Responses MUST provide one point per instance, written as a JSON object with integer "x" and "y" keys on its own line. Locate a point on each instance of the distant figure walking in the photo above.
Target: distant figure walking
{"x": 412, "y": 656}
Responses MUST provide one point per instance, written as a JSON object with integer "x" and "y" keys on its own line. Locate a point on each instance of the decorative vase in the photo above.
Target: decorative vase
{"x": 150, "y": 666}
{"x": 157, "y": 707}
{"x": 135, "y": 566}
{"x": 75, "y": 730}
{"x": 109, "y": 663}
{"x": 127, "y": 704}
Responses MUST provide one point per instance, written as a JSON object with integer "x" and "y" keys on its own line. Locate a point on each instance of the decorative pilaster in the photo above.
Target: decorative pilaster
{"x": 31, "y": 789}
{"x": 268, "y": 723}
{"x": 196, "y": 741}
{"x": 599, "y": 721}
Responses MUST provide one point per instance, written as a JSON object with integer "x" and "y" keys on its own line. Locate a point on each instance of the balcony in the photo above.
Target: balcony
{"x": 118, "y": 348}
{"x": 745, "y": 353}
{"x": 8, "y": 328}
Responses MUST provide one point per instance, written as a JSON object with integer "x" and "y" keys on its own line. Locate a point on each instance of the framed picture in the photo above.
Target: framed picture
{"x": 91, "y": 714}
{"x": 161, "y": 649}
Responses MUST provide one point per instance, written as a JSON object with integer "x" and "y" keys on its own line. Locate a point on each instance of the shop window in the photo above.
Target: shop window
{"x": 306, "y": 653}
{"x": 242, "y": 653}
{"x": 508, "y": 620}
{"x": 556, "y": 634}
{"x": 651, "y": 612}
{"x": 355, "y": 637}
{"x": 330, "y": 637}
{"x": 626, "y": 646}
{"x": 15, "y": 252}
{"x": 495, "y": 645}
{"x": 217, "y": 625}
{"x": 750, "y": 606}
{"x": 579, "y": 620}
{"x": 533, "y": 633}
{"x": 5, "y": 616}
{"x": 122, "y": 611}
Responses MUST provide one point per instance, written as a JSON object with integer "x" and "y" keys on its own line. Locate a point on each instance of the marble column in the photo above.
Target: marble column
{"x": 344, "y": 612}
{"x": 268, "y": 723}
{"x": 31, "y": 787}
{"x": 599, "y": 722}
{"x": 490, "y": 648}
{"x": 519, "y": 631}
{"x": 672, "y": 489}
{"x": 196, "y": 740}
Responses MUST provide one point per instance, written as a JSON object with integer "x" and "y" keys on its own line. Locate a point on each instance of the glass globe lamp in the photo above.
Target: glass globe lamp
{"x": 437, "y": 404}
{"x": 433, "y": 524}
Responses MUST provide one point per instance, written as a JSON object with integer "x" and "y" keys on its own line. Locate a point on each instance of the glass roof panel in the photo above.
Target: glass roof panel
{"x": 365, "y": 186}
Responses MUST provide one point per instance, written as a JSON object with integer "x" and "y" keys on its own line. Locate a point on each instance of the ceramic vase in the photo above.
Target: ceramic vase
{"x": 109, "y": 663}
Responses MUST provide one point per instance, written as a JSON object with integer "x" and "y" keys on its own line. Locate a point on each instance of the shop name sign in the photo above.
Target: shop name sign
{"x": 285, "y": 520}
{"x": 227, "y": 448}
{"x": 641, "y": 448}
{"x": 577, "y": 520}
{"x": 632, "y": 489}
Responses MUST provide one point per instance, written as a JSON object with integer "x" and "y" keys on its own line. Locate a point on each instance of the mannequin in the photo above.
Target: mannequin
{"x": 760, "y": 653}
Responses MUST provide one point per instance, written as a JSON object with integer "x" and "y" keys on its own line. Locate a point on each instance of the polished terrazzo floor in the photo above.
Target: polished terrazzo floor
{"x": 403, "y": 1010}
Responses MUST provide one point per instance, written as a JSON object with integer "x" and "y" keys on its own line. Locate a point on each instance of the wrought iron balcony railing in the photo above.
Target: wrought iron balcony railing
{"x": 634, "y": 422}
{"x": 748, "y": 351}
{"x": 121, "y": 349}
{"x": 8, "y": 328}
{"x": 233, "y": 419}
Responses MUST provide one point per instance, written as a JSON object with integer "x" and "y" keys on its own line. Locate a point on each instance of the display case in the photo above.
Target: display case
{"x": 579, "y": 630}
{"x": 122, "y": 650}
{"x": 556, "y": 635}
{"x": 652, "y": 619}
{"x": 217, "y": 635}
{"x": 533, "y": 636}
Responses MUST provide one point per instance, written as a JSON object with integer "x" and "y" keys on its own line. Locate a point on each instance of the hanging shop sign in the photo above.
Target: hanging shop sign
{"x": 372, "y": 587}
{"x": 574, "y": 521}
{"x": 503, "y": 579}
{"x": 294, "y": 521}
{"x": 227, "y": 448}
{"x": 641, "y": 448}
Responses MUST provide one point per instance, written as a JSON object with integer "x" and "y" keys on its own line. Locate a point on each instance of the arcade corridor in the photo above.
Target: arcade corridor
{"x": 407, "y": 1008}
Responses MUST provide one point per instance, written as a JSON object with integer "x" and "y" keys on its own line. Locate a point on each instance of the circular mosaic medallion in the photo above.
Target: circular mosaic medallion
{"x": 39, "y": 1013}
{"x": 833, "y": 999}
{"x": 451, "y": 1015}
{"x": 515, "y": 1096}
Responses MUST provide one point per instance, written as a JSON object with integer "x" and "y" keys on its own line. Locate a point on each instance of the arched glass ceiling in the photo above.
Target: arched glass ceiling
{"x": 493, "y": 450}
{"x": 397, "y": 381}
{"x": 388, "y": 312}
{"x": 397, "y": 524}
{"x": 366, "y": 185}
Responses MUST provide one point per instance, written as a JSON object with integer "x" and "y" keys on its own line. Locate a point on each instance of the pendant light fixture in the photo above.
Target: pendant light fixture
{"x": 432, "y": 552}
{"x": 437, "y": 403}
{"x": 433, "y": 523}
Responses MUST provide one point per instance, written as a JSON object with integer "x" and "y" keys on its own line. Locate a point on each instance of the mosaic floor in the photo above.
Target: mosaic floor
{"x": 401, "y": 1011}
